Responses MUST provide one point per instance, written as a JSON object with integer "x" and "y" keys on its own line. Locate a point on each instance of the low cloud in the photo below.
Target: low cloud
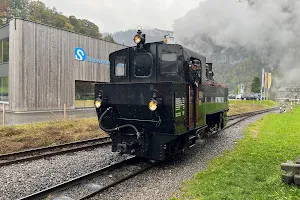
{"x": 270, "y": 28}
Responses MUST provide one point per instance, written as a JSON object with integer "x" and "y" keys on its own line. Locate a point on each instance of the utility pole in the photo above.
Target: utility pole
{"x": 262, "y": 82}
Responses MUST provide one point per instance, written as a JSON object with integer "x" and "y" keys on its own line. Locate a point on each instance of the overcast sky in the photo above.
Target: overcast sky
{"x": 117, "y": 15}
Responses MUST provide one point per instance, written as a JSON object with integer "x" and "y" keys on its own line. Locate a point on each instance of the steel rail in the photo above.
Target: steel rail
{"x": 38, "y": 153}
{"x": 232, "y": 117}
{"x": 78, "y": 180}
{"x": 119, "y": 181}
{"x": 245, "y": 116}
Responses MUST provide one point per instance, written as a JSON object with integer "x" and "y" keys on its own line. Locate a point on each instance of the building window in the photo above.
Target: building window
{"x": 4, "y": 51}
{"x": 4, "y": 89}
{"x": 84, "y": 94}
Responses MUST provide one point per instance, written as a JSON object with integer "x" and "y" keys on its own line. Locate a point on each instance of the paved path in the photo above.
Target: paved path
{"x": 28, "y": 118}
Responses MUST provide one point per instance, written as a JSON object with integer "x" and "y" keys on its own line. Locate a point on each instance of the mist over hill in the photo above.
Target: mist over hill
{"x": 266, "y": 31}
{"x": 126, "y": 37}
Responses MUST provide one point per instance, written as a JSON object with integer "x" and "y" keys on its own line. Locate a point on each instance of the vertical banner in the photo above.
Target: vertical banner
{"x": 263, "y": 78}
{"x": 266, "y": 80}
{"x": 269, "y": 80}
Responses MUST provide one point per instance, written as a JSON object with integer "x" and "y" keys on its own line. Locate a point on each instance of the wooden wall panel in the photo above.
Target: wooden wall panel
{"x": 43, "y": 68}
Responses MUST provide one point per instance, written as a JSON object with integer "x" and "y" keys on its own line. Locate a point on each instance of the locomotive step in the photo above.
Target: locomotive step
{"x": 192, "y": 137}
{"x": 192, "y": 140}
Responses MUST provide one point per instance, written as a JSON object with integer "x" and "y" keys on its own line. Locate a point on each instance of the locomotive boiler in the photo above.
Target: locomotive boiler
{"x": 160, "y": 99}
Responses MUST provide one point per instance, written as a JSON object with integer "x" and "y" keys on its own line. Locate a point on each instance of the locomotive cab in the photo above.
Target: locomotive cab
{"x": 154, "y": 105}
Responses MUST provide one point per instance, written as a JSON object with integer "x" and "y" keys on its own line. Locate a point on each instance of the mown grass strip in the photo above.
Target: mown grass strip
{"x": 22, "y": 137}
{"x": 252, "y": 170}
{"x": 242, "y": 106}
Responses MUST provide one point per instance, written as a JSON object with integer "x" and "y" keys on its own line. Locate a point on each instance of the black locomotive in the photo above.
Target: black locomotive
{"x": 160, "y": 100}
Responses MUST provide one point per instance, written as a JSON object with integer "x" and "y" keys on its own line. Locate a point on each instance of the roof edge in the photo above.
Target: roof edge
{"x": 15, "y": 18}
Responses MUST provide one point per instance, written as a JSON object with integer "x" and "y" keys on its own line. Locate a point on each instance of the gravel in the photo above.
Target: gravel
{"x": 161, "y": 182}
{"x": 91, "y": 185}
{"x": 22, "y": 179}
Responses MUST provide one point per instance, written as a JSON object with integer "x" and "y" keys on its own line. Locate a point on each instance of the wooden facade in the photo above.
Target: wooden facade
{"x": 43, "y": 68}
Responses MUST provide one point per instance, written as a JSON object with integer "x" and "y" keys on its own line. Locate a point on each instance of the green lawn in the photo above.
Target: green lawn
{"x": 252, "y": 170}
{"x": 242, "y": 106}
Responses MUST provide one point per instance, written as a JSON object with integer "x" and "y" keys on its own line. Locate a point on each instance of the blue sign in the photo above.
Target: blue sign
{"x": 80, "y": 54}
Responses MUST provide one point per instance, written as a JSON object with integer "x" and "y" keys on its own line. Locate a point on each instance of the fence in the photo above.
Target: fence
{"x": 11, "y": 118}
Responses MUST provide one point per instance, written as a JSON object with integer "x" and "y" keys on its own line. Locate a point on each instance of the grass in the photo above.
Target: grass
{"x": 16, "y": 138}
{"x": 242, "y": 106}
{"x": 84, "y": 103}
{"x": 252, "y": 170}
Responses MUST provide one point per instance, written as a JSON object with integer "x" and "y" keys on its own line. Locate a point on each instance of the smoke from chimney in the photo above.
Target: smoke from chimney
{"x": 270, "y": 28}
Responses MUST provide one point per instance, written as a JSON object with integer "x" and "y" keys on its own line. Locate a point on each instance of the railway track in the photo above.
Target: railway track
{"x": 90, "y": 184}
{"x": 38, "y": 153}
{"x": 232, "y": 117}
{"x": 245, "y": 116}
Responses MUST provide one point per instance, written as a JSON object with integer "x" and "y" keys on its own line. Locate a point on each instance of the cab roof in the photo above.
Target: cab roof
{"x": 187, "y": 53}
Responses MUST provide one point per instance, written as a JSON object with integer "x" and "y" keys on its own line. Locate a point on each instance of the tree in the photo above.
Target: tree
{"x": 40, "y": 13}
{"x": 109, "y": 38}
{"x": 236, "y": 90}
{"x": 255, "y": 86}
{"x": 89, "y": 28}
{"x": 13, "y": 8}
{"x": 37, "y": 11}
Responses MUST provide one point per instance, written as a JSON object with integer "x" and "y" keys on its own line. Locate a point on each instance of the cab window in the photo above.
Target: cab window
{"x": 120, "y": 66}
{"x": 142, "y": 65}
{"x": 169, "y": 64}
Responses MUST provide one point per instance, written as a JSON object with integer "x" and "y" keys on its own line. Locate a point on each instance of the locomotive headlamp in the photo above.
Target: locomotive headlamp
{"x": 165, "y": 40}
{"x": 152, "y": 105}
{"x": 139, "y": 38}
{"x": 98, "y": 103}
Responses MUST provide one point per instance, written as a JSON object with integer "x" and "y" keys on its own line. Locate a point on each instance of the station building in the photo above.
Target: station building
{"x": 44, "y": 67}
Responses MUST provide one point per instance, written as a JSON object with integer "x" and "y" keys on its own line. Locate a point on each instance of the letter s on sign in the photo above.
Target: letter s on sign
{"x": 80, "y": 54}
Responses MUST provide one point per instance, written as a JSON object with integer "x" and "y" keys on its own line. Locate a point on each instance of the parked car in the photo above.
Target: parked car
{"x": 231, "y": 96}
{"x": 251, "y": 97}
{"x": 239, "y": 96}
{"x": 263, "y": 98}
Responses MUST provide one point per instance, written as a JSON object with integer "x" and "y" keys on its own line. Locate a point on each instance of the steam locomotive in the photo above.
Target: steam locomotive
{"x": 160, "y": 100}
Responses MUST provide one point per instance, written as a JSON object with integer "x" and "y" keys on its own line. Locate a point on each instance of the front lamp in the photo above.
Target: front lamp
{"x": 98, "y": 103}
{"x": 152, "y": 105}
{"x": 137, "y": 39}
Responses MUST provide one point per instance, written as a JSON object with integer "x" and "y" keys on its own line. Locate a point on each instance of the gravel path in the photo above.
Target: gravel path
{"x": 162, "y": 181}
{"x": 22, "y": 179}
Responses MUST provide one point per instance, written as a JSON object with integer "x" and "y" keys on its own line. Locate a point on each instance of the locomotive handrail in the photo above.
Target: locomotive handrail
{"x": 118, "y": 127}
